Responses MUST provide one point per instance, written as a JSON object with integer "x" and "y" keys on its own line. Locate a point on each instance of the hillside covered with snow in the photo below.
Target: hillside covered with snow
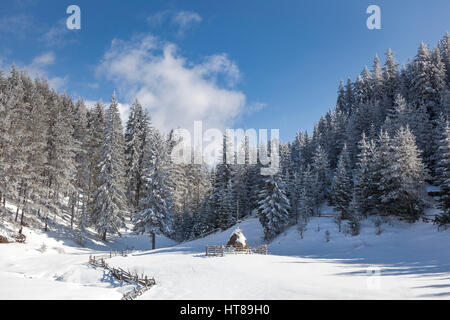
{"x": 405, "y": 261}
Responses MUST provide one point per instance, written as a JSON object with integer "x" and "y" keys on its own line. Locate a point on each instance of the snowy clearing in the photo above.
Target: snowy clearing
{"x": 412, "y": 261}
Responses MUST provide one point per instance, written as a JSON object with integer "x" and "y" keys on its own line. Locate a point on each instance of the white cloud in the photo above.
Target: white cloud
{"x": 44, "y": 60}
{"x": 59, "y": 36}
{"x": 39, "y": 66}
{"x": 176, "y": 92}
{"x": 185, "y": 20}
{"x": 124, "y": 109}
{"x": 158, "y": 18}
{"x": 181, "y": 20}
{"x": 18, "y": 25}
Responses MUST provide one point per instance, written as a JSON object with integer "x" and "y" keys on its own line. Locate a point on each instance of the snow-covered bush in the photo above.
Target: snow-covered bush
{"x": 42, "y": 248}
{"x": 327, "y": 236}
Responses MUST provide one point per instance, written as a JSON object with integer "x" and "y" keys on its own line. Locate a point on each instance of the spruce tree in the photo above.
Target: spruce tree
{"x": 273, "y": 207}
{"x": 404, "y": 178}
{"x": 365, "y": 188}
{"x": 321, "y": 169}
{"x": 444, "y": 176}
{"x": 110, "y": 206}
{"x": 342, "y": 190}
{"x": 154, "y": 212}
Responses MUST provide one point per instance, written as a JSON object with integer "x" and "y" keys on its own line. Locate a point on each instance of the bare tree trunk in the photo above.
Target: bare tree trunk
{"x": 21, "y": 216}
{"x": 72, "y": 210}
{"x": 153, "y": 241}
{"x": 24, "y": 206}
{"x": 18, "y": 205}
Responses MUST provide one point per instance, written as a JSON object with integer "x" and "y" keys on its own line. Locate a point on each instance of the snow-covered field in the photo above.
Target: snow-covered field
{"x": 404, "y": 262}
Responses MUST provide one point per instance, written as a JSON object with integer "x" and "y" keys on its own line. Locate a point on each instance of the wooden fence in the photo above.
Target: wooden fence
{"x": 220, "y": 251}
{"x": 144, "y": 282}
{"x": 214, "y": 251}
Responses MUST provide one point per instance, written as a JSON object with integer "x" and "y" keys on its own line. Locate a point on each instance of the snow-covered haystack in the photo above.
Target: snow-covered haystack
{"x": 238, "y": 240}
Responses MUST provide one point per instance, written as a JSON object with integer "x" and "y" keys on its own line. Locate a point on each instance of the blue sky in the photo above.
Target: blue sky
{"x": 246, "y": 64}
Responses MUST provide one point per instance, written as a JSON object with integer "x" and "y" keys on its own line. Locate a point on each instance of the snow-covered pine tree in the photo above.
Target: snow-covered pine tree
{"x": 365, "y": 188}
{"x": 308, "y": 193}
{"x": 321, "y": 169}
{"x": 96, "y": 134}
{"x": 444, "y": 45}
{"x": 349, "y": 97}
{"x": 342, "y": 189}
{"x": 444, "y": 176}
{"x": 60, "y": 150}
{"x": 381, "y": 174}
{"x": 30, "y": 141}
{"x": 406, "y": 175}
{"x": 14, "y": 124}
{"x": 200, "y": 187}
{"x": 391, "y": 82}
{"x": 138, "y": 132}
{"x": 154, "y": 214}
{"x": 223, "y": 196}
{"x": 110, "y": 205}
{"x": 223, "y": 216}
{"x": 338, "y": 127}
{"x": 273, "y": 207}
{"x": 377, "y": 79}
{"x": 423, "y": 98}
{"x": 438, "y": 77}
{"x": 305, "y": 211}
{"x": 4, "y": 124}
{"x": 354, "y": 216}
{"x": 340, "y": 103}
{"x": 397, "y": 117}
{"x": 359, "y": 91}
{"x": 80, "y": 136}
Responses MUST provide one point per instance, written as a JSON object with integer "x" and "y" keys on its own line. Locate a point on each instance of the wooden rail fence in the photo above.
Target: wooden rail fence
{"x": 143, "y": 282}
{"x": 220, "y": 251}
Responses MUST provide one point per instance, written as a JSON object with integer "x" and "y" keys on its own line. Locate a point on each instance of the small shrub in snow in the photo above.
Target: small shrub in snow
{"x": 378, "y": 224}
{"x": 301, "y": 227}
{"x": 354, "y": 227}
{"x": 43, "y": 248}
{"x": 59, "y": 250}
{"x": 78, "y": 238}
{"x": 338, "y": 221}
{"x": 327, "y": 236}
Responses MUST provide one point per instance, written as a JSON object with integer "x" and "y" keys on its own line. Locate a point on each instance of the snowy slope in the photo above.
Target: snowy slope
{"x": 52, "y": 266}
{"x": 412, "y": 261}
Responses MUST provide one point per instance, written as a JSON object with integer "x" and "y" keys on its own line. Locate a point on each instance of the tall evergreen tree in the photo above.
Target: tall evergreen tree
{"x": 365, "y": 188}
{"x": 342, "y": 189}
{"x": 154, "y": 215}
{"x": 321, "y": 169}
{"x": 444, "y": 176}
{"x": 407, "y": 172}
{"x": 273, "y": 207}
{"x": 110, "y": 204}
